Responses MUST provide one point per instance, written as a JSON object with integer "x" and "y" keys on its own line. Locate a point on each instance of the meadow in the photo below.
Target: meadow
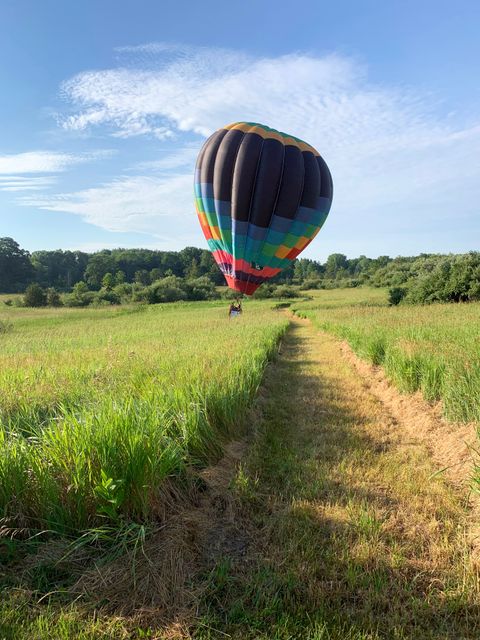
{"x": 111, "y": 416}
{"x": 102, "y": 410}
{"x": 434, "y": 348}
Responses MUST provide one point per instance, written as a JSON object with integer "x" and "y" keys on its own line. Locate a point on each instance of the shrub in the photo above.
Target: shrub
{"x": 35, "y": 296}
{"x": 107, "y": 296}
{"x": 264, "y": 291}
{"x": 285, "y": 291}
{"x": 396, "y": 295}
{"x": 201, "y": 289}
{"x": 448, "y": 279}
{"x": 81, "y": 296}
{"x": 311, "y": 283}
{"x": 124, "y": 292}
{"x": 53, "y": 298}
{"x": 169, "y": 289}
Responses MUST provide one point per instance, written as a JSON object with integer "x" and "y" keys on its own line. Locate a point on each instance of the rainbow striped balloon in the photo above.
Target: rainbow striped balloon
{"x": 261, "y": 197}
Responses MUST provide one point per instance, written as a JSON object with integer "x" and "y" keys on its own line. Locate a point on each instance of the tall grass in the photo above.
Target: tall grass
{"x": 434, "y": 349}
{"x": 102, "y": 410}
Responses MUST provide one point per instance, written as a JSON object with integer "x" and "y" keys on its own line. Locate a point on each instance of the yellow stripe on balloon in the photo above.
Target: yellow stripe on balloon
{"x": 215, "y": 231}
{"x": 272, "y": 134}
{"x": 282, "y": 251}
{"x": 303, "y": 241}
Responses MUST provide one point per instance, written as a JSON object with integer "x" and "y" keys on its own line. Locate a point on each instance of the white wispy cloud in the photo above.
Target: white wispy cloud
{"x": 158, "y": 47}
{"x": 130, "y": 203}
{"x": 182, "y": 157}
{"x": 23, "y": 183}
{"x": 37, "y": 162}
{"x": 395, "y": 158}
{"x": 26, "y": 171}
{"x": 203, "y": 88}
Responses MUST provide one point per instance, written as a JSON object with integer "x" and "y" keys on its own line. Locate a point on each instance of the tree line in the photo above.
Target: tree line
{"x": 145, "y": 275}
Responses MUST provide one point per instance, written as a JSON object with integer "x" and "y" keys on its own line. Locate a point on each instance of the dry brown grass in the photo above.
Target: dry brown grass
{"x": 451, "y": 445}
{"x": 358, "y": 533}
{"x": 156, "y": 586}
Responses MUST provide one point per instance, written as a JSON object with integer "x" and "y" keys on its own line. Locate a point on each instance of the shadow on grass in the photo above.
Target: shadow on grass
{"x": 331, "y": 553}
{"x": 309, "y": 543}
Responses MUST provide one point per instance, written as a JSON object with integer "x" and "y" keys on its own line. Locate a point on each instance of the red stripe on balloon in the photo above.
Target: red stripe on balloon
{"x": 222, "y": 257}
{"x": 241, "y": 285}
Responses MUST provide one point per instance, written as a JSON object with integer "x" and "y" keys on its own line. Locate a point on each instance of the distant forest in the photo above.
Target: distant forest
{"x": 144, "y": 275}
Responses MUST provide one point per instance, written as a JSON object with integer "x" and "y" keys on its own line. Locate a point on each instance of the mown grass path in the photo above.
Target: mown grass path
{"x": 351, "y": 534}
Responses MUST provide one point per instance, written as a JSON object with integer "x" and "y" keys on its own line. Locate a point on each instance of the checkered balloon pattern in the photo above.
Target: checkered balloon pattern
{"x": 261, "y": 197}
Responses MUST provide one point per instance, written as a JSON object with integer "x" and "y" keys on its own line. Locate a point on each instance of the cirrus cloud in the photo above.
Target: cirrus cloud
{"x": 36, "y": 170}
{"x": 37, "y": 162}
{"x": 129, "y": 203}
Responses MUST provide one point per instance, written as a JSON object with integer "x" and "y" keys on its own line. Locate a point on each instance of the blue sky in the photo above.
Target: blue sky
{"x": 104, "y": 106}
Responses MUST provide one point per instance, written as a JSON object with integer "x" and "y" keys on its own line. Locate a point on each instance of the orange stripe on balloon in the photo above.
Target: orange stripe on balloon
{"x": 203, "y": 218}
{"x": 215, "y": 231}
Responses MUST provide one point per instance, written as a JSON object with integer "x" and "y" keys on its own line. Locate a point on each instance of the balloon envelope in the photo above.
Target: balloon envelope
{"x": 261, "y": 197}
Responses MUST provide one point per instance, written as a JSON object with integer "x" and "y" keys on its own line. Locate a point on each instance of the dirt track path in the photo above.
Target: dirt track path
{"x": 330, "y": 522}
{"x": 349, "y": 531}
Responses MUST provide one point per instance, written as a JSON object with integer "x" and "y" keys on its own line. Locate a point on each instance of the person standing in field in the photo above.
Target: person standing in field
{"x": 235, "y": 309}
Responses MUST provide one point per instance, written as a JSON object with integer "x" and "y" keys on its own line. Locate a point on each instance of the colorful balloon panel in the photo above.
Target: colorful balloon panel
{"x": 261, "y": 197}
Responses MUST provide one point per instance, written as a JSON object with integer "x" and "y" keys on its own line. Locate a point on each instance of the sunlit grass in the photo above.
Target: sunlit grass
{"x": 434, "y": 349}
{"x": 100, "y": 407}
{"x": 343, "y": 531}
{"x": 351, "y": 534}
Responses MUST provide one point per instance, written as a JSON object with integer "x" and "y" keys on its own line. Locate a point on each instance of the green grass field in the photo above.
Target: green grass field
{"x": 434, "y": 349}
{"x": 100, "y": 407}
{"x": 330, "y": 528}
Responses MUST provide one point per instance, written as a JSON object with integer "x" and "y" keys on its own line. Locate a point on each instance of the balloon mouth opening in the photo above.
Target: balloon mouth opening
{"x": 242, "y": 286}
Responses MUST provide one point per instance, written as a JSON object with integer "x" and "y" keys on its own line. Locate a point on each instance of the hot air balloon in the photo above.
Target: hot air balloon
{"x": 261, "y": 197}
